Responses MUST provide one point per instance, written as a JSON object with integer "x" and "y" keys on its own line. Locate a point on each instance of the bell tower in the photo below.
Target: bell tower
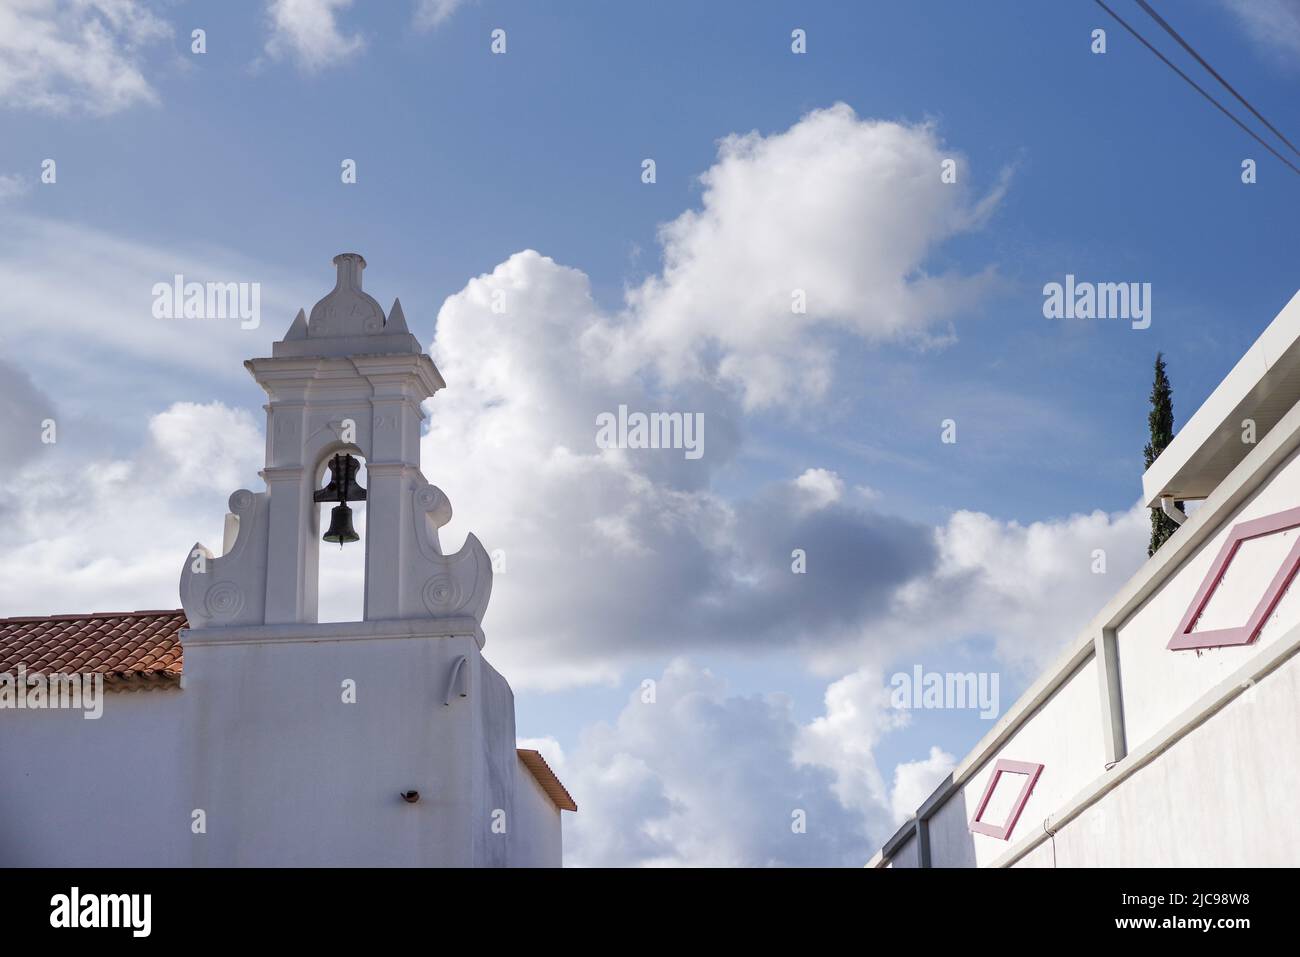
{"x": 346, "y": 380}
{"x": 385, "y": 741}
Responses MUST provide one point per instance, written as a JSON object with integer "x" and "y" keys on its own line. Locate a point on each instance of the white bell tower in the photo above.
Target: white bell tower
{"x": 344, "y": 380}
{"x": 385, "y": 741}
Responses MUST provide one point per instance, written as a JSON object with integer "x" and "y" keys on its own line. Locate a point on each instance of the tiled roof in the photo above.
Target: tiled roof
{"x": 122, "y": 646}
{"x": 556, "y": 791}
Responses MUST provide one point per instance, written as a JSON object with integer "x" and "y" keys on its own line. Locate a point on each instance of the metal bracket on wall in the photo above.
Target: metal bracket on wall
{"x": 458, "y": 686}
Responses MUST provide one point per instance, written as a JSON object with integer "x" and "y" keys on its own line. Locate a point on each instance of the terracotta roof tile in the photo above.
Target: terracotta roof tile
{"x": 122, "y": 645}
{"x": 556, "y": 791}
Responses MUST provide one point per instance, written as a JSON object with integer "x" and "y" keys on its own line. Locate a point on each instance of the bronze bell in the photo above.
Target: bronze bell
{"x": 341, "y": 529}
{"x": 342, "y": 488}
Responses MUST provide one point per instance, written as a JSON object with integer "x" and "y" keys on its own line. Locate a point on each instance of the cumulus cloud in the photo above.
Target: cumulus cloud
{"x": 822, "y": 487}
{"x": 206, "y": 447}
{"x": 110, "y": 533}
{"x": 827, "y": 226}
{"x": 690, "y": 773}
{"x": 660, "y": 561}
{"x": 915, "y": 781}
{"x": 654, "y": 556}
{"x": 76, "y": 55}
{"x": 308, "y": 32}
{"x": 844, "y": 738}
{"x": 24, "y": 409}
{"x": 704, "y": 778}
{"x": 1030, "y": 587}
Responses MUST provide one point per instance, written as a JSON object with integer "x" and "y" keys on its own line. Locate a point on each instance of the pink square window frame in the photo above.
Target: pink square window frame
{"x": 1003, "y": 831}
{"x": 1184, "y": 638}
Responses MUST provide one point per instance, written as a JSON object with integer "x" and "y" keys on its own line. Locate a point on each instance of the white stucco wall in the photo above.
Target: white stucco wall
{"x": 1069, "y": 762}
{"x": 538, "y": 820}
{"x": 1158, "y": 683}
{"x": 293, "y": 776}
{"x": 907, "y": 854}
{"x": 286, "y": 772}
{"x": 1223, "y": 796}
{"x": 100, "y": 792}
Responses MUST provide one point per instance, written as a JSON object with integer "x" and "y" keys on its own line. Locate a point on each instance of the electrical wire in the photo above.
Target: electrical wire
{"x": 1196, "y": 86}
{"x": 1214, "y": 73}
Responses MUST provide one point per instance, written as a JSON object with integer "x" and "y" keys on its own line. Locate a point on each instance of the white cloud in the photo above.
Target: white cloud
{"x": 844, "y": 738}
{"x": 433, "y": 13}
{"x": 659, "y": 561}
{"x": 846, "y": 210}
{"x": 639, "y": 540}
{"x": 701, "y": 777}
{"x": 307, "y": 31}
{"x": 206, "y": 447}
{"x": 11, "y": 186}
{"x": 91, "y": 330}
{"x": 1031, "y": 587}
{"x": 109, "y": 533}
{"x": 1272, "y": 25}
{"x": 23, "y": 411}
{"x": 822, "y": 487}
{"x": 915, "y": 781}
{"x": 76, "y": 55}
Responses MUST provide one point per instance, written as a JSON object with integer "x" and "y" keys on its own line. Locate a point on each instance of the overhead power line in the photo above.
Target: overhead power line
{"x": 1214, "y": 73}
{"x": 1197, "y": 87}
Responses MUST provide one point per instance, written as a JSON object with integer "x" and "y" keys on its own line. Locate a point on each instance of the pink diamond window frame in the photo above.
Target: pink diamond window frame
{"x": 1003, "y": 831}
{"x": 1185, "y": 639}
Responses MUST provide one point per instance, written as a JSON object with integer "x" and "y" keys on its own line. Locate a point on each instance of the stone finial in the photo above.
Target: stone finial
{"x": 348, "y": 321}
{"x": 346, "y": 310}
{"x": 299, "y": 328}
{"x": 349, "y": 266}
{"x": 397, "y": 318}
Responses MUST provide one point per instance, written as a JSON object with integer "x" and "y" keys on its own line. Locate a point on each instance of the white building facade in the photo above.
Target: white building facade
{"x": 1168, "y": 733}
{"x": 242, "y": 732}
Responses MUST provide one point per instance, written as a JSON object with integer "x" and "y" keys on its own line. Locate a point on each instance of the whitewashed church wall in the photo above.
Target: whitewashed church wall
{"x": 284, "y": 772}
{"x": 95, "y": 793}
{"x": 496, "y": 822}
{"x": 314, "y": 781}
{"x": 536, "y": 837}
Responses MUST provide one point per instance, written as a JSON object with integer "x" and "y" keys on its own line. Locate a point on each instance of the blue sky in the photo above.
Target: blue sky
{"x": 1105, "y": 166}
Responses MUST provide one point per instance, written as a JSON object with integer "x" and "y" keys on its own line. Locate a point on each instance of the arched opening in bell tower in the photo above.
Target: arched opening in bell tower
{"x": 340, "y": 535}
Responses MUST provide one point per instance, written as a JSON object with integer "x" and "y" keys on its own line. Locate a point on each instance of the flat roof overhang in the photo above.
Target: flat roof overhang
{"x": 1263, "y": 387}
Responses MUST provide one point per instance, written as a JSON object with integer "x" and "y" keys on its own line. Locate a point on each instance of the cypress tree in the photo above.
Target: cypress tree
{"x": 1160, "y": 421}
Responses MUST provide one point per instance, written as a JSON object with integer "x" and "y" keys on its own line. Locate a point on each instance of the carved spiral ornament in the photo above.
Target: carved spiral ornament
{"x": 441, "y": 595}
{"x": 427, "y": 498}
{"x": 224, "y": 600}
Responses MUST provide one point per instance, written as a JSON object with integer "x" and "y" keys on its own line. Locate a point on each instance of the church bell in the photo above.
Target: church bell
{"x": 342, "y": 488}
{"x": 341, "y": 529}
